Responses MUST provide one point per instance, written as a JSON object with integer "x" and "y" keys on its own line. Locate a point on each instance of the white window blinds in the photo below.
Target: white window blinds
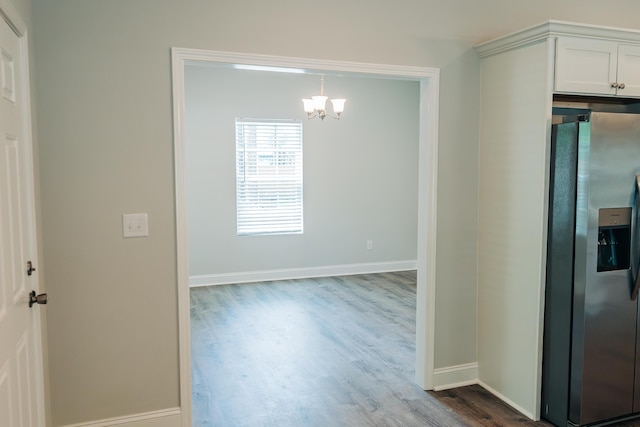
{"x": 268, "y": 176}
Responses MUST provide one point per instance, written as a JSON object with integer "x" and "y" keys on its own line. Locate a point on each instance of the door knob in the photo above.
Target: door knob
{"x": 37, "y": 299}
{"x": 621, "y": 86}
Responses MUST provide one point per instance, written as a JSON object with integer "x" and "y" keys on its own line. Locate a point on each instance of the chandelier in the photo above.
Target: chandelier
{"x": 315, "y": 106}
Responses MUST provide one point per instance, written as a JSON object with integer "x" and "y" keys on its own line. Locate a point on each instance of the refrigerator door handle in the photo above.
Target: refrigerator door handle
{"x": 635, "y": 276}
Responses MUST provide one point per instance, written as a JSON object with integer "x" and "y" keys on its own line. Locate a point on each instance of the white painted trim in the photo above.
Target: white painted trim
{"x": 455, "y": 376}
{"x": 540, "y": 303}
{"x": 13, "y": 18}
{"x": 508, "y": 401}
{"x": 299, "y": 273}
{"x": 555, "y": 28}
{"x": 429, "y": 79}
{"x": 427, "y": 229}
{"x": 182, "y": 244}
{"x": 305, "y": 65}
{"x": 163, "y": 418}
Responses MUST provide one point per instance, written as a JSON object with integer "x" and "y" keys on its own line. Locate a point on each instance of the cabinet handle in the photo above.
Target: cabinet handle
{"x": 614, "y": 85}
{"x": 621, "y": 86}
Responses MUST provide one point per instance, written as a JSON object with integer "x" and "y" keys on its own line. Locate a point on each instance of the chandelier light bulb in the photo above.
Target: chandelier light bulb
{"x": 338, "y": 105}
{"x": 308, "y": 106}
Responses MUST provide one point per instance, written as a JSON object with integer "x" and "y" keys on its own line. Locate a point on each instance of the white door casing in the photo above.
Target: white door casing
{"x": 429, "y": 79}
{"x": 21, "y": 373}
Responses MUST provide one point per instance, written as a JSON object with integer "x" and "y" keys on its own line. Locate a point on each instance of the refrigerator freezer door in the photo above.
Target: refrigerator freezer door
{"x": 559, "y": 280}
{"x": 635, "y": 266}
{"x": 635, "y": 253}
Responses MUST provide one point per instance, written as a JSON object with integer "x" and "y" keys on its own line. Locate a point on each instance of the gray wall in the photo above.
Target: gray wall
{"x": 104, "y": 116}
{"x": 105, "y": 133}
{"x": 360, "y": 173}
{"x": 105, "y": 126}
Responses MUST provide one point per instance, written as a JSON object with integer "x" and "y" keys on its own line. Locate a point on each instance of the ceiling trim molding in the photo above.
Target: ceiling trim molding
{"x": 305, "y": 65}
{"x": 552, "y": 28}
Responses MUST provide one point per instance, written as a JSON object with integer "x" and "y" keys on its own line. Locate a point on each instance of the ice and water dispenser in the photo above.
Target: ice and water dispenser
{"x": 614, "y": 239}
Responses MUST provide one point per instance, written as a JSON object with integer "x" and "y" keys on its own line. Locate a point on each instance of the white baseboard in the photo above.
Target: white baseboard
{"x": 300, "y": 273}
{"x": 507, "y": 401}
{"x": 164, "y": 418}
{"x": 455, "y": 376}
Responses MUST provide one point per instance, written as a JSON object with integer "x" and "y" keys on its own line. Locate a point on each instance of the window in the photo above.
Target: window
{"x": 268, "y": 176}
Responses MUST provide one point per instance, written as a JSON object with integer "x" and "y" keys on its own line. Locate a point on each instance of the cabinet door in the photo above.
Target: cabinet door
{"x": 629, "y": 70}
{"x": 585, "y": 66}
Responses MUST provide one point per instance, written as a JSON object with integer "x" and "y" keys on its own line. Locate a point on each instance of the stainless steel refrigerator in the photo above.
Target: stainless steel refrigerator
{"x": 591, "y": 361}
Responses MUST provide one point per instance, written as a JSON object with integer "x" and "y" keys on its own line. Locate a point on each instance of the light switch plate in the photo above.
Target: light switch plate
{"x": 135, "y": 225}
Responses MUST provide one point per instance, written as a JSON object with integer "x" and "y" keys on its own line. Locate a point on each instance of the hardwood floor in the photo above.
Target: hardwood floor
{"x": 324, "y": 352}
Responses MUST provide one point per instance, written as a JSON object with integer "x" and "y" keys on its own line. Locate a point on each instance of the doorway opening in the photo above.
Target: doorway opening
{"x": 428, "y": 79}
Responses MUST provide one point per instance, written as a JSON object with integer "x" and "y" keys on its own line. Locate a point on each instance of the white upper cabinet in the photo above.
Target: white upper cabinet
{"x": 598, "y": 67}
{"x": 629, "y": 69}
{"x": 586, "y": 66}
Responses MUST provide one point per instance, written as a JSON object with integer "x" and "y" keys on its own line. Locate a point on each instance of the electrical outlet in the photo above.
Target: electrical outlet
{"x": 369, "y": 245}
{"x": 135, "y": 225}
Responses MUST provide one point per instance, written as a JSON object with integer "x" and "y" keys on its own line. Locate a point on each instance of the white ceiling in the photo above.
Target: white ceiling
{"x": 473, "y": 20}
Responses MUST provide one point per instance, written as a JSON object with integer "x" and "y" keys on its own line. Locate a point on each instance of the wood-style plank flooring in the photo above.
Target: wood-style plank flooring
{"x": 324, "y": 352}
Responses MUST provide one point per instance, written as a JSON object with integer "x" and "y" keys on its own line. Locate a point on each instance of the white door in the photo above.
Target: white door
{"x": 21, "y": 390}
